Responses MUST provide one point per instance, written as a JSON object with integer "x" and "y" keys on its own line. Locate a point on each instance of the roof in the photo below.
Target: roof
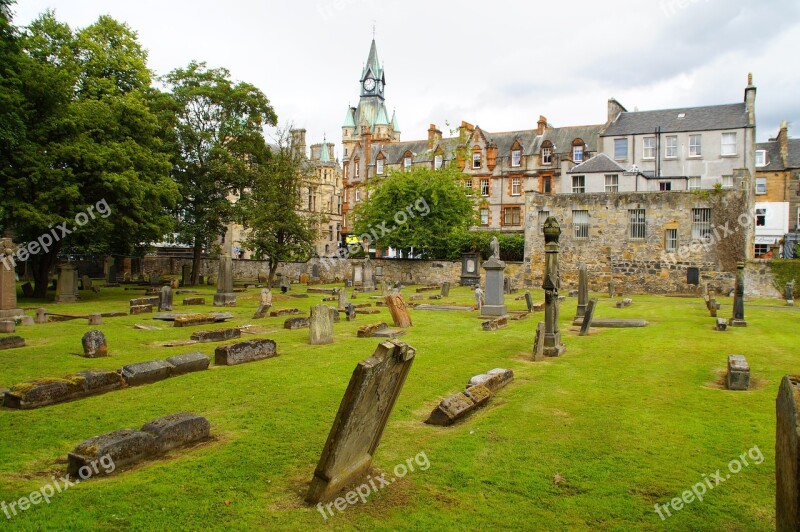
{"x": 599, "y": 164}
{"x": 794, "y": 153}
{"x": 349, "y": 119}
{"x": 395, "y": 126}
{"x": 373, "y": 64}
{"x": 562, "y": 137}
{"x": 774, "y": 160}
{"x": 324, "y": 156}
{"x": 505, "y": 141}
{"x": 715, "y": 117}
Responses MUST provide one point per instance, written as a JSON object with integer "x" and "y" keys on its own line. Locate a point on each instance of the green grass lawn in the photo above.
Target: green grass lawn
{"x": 592, "y": 440}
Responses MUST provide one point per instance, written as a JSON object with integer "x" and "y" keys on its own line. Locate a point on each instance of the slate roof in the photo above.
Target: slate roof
{"x": 794, "y": 153}
{"x": 504, "y": 141}
{"x": 599, "y": 164}
{"x": 773, "y": 149}
{"x": 562, "y": 137}
{"x": 715, "y": 117}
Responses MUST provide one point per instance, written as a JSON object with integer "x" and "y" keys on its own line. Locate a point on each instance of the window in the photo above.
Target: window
{"x": 761, "y": 158}
{"x": 701, "y": 223}
{"x": 547, "y": 155}
{"x": 516, "y": 186}
{"x": 379, "y": 167}
{"x": 761, "y": 217}
{"x": 580, "y": 221}
{"x": 695, "y": 146}
{"x": 620, "y": 149}
{"x": 476, "y": 160}
{"x": 330, "y": 232}
{"x": 728, "y": 144}
{"x": 357, "y": 169}
{"x": 358, "y": 194}
{"x": 671, "y": 240}
{"x": 437, "y": 162}
{"x": 511, "y": 216}
{"x": 665, "y": 185}
{"x": 727, "y": 182}
{"x": 547, "y": 184}
{"x": 798, "y": 218}
{"x": 671, "y": 150}
{"x": 577, "y": 154}
{"x": 468, "y": 186}
{"x": 761, "y": 250}
{"x": 484, "y": 216}
{"x": 637, "y": 223}
{"x": 543, "y": 216}
{"x": 407, "y": 162}
{"x": 649, "y": 148}
{"x": 484, "y": 187}
{"x": 761, "y": 185}
{"x": 694, "y": 183}
{"x": 612, "y": 183}
{"x": 516, "y": 157}
{"x": 578, "y": 184}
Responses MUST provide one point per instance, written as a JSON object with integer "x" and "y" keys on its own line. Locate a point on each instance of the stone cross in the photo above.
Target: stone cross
{"x": 225, "y": 296}
{"x": 738, "y": 298}
{"x": 583, "y": 290}
{"x": 552, "y": 282}
{"x": 365, "y": 408}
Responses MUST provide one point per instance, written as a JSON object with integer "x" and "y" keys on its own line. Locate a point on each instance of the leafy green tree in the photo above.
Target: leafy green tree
{"x": 421, "y": 209}
{"x": 271, "y": 209}
{"x": 220, "y": 141}
{"x": 91, "y": 136}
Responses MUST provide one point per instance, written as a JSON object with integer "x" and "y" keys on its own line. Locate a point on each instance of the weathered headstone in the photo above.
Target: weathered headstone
{"x": 494, "y": 379}
{"x": 188, "y": 363}
{"x": 41, "y": 315}
{"x": 445, "y": 289}
{"x": 612, "y": 289}
{"x": 343, "y": 301}
{"x": 284, "y": 312}
{"x": 368, "y": 284}
{"x": 8, "y": 280}
{"x": 194, "y": 301}
{"x": 7, "y": 326}
{"x": 494, "y": 324}
{"x": 789, "y": 293}
{"x": 95, "y": 319}
{"x": 738, "y": 299}
{"x": 11, "y": 342}
{"x": 722, "y": 324}
{"x": 552, "y": 282}
{"x": 43, "y": 392}
{"x": 494, "y": 296}
{"x": 86, "y": 282}
{"x": 165, "y": 304}
{"x": 787, "y": 455}
{"x": 458, "y": 406}
{"x": 225, "y": 296}
{"x": 399, "y": 310}
{"x": 155, "y": 279}
{"x": 321, "y": 325}
{"x": 264, "y": 303}
{"x": 583, "y": 290}
{"x": 220, "y": 335}
{"x": 66, "y": 286}
{"x": 94, "y": 344}
{"x": 528, "y": 301}
{"x": 350, "y": 312}
{"x": 538, "y": 343}
{"x": 27, "y": 320}
{"x": 365, "y": 408}
{"x": 296, "y": 323}
{"x": 186, "y": 275}
{"x": 146, "y": 372}
{"x": 141, "y": 309}
{"x": 738, "y": 377}
{"x": 252, "y": 350}
{"x": 588, "y": 317}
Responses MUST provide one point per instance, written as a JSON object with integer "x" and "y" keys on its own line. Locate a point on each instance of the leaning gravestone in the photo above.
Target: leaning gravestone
{"x": 94, "y": 344}
{"x": 787, "y": 455}
{"x": 165, "y": 304}
{"x": 265, "y": 303}
{"x": 588, "y": 317}
{"x": 225, "y": 296}
{"x": 528, "y": 301}
{"x": 365, "y": 408}
{"x": 399, "y": 310}
{"x": 321, "y": 325}
{"x": 538, "y": 343}
{"x": 86, "y": 283}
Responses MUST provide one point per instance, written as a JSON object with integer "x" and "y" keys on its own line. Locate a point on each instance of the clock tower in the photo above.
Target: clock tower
{"x": 373, "y": 79}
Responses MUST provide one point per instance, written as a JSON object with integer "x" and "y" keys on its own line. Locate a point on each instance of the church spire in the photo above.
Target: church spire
{"x": 373, "y": 65}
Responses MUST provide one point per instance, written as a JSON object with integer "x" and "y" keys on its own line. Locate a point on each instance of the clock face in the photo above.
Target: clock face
{"x": 369, "y": 84}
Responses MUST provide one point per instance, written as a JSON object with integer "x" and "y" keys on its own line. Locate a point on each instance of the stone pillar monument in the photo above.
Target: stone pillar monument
{"x": 552, "y": 282}
{"x": 494, "y": 297}
{"x": 67, "y": 285}
{"x": 225, "y": 296}
{"x": 738, "y": 299}
{"x": 8, "y": 281}
{"x": 583, "y": 290}
{"x": 368, "y": 284}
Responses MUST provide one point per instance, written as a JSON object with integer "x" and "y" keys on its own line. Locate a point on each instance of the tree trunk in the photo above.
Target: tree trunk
{"x": 41, "y": 266}
{"x": 198, "y": 253}
{"x": 273, "y": 267}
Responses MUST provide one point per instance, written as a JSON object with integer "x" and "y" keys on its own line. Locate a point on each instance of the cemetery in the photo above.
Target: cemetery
{"x": 588, "y": 414}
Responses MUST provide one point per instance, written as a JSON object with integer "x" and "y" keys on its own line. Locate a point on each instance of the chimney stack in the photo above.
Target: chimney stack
{"x": 433, "y": 135}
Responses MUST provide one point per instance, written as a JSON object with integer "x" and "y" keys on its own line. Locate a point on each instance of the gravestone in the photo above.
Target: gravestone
{"x": 225, "y": 296}
{"x": 343, "y": 301}
{"x": 350, "y": 312}
{"x": 112, "y": 275}
{"x": 240, "y": 353}
{"x": 265, "y": 303}
{"x": 553, "y": 346}
{"x": 583, "y": 290}
{"x": 188, "y": 363}
{"x": 86, "y": 283}
{"x": 296, "y": 323}
{"x": 11, "y": 342}
{"x": 738, "y": 299}
{"x": 538, "y": 343}
{"x": 95, "y": 319}
{"x": 220, "y": 335}
{"x": 146, "y": 372}
{"x": 371, "y": 395}
{"x": 494, "y": 296}
{"x": 165, "y": 304}
{"x": 368, "y": 284}
{"x": 528, "y": 301}
{"x": 94, "y": 344}
{"x": 506, "y": 285}
{"x": 189, "y": 301}
{"x": 738, "y": 377}
{"x": 612, "y": 289}
{"x": 445, "y": 289}
{"x": 358, "y": 273}
{"x": 470, "y": 276}
{"x": 8, "y": 281}
{"x": 320, "y": 331}
{"x": 7, "y": 326}
{"x": 588, "y": 317}
{"x": 27, "y": 320}
{"x": 787, "y": 455}
{"x": 186, "y": 275}
{"x": 27, "y": 290}
{"x": 693, "y": 275}
{"x": 722, "y": 324}
{"x": 789, "y": 293}
{"x": 41, "y": 315}
{"x": 398, "y": 310}
{"x": 66, "y": 286}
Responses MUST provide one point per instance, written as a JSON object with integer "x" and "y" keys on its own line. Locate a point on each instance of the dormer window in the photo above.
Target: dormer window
{"x": 547, "y": 153}
{"x": 761, "y": 158}
{"x": 379, "y": 166}
{"x": 476, "y": 158}
{"x": 577, "y": 150}
{"x": 516, "y": 155}
{"x": 437, "y": 161}
{"x": 357, "y": 169}
{"x": 407, "y": 161}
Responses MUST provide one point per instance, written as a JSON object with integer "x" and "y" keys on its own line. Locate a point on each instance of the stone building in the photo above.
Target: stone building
{"x": 777, "y": 192}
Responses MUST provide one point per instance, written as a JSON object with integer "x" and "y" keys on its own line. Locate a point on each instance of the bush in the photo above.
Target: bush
{"x": 784, "y": 271}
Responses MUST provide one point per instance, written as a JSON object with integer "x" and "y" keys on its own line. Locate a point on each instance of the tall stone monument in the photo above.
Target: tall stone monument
{"x": 368, "y": 284}
{"x": 738, "y": 299}
{"x": 8, "y": 282}
{"x": 583, "y": 290}
{"x": 67, "y": 283}
{"x": 494, "y": 296}
{"x": 552, "y": 282}
{"x": 225, "y": 296}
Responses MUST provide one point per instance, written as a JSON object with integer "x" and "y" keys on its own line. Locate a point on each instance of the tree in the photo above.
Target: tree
{"x": 91, "y": 136}
{"x": 271, "y": 208}
{"x": 421, "y": 209}
{"x": 219, "y": 136}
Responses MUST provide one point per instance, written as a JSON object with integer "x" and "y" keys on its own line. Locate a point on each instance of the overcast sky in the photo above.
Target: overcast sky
{"x": 496, "y": 64}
